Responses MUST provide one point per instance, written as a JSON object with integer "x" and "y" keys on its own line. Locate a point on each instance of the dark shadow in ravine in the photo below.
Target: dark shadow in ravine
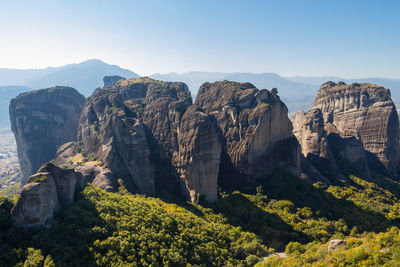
{"x": 68, "y": 241}
{"x": 283, "y": 185}
{"x": 275, "y": 232}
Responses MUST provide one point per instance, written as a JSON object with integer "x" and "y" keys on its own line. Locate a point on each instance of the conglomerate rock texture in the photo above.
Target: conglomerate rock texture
{"x": 369, "y": 110}
{"x": 41, "y": 121}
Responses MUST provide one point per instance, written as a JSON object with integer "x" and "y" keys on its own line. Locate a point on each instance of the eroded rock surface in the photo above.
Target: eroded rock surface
{"x": 256, "y": 130}
{"x": 41, "y": 121}
{"x": 369, "y": 110}
{"x": 47, "y": 192}
{"x": 198, "y": 157}
{"x": 115, "y": 136}
{"x": 148, "y": 136}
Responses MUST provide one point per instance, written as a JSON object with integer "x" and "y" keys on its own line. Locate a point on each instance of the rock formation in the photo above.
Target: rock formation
{"x": 351, "y": 129}
{"x": 148, "y": 136}
{"x": 47, "y": 192}
{"x": 335, "y": 243}
{"x": 198, "y": 157}
{"x": 41, "y": 121}
{"x": 73, "y": 156}
{"x": 115, "y": 136}
{"x": 327, "y": 148}
{"x": 368, "y": 110}
{"x": 109, "y": 80}
{"x": 256, "y": 130}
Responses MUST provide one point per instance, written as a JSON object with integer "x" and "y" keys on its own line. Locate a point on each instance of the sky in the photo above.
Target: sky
{"x": 346, "y": 38}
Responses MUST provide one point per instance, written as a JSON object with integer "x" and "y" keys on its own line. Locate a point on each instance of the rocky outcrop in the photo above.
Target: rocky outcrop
{"x": 111, "y": 132}
{"x": 41, "y": 121}
{"x": 366, "y": 109}
{"x": 198, "y": 157}
{"x": 335, "y": 243}
{"x": 327, "y": 148}
{"x": 109, "y": 80}
{"x": 256, "y": 131}
{"x": 47, "y": 192}
{"x": 72, "y": 155}
{"x": 309, "y": 130}
{"x": 148, "y": 136}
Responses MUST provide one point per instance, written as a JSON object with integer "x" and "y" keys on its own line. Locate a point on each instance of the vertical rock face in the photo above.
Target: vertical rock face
{"x": 309, "y": 130}
{"x": 256, "y": 130}
{"x": 198, "y": 157}
{"x": 147, "y": 135}
{"x": 47, "y": 192}
{"x": 327, "y": 148}
{"x": 110, "y": 131}
{"x": 41, "y": 121}
{"x": 368, "y": 110}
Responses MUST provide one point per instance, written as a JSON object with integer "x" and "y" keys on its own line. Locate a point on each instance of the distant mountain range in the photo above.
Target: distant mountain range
{"x": 297, "y": 92}
{"x": 85, "y": 76}
{"x": 296, "y": 95}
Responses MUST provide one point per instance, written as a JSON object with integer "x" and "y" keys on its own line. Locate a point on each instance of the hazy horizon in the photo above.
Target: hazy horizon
{"x": 323, "y": 38}
{"x": 199, "y": 71}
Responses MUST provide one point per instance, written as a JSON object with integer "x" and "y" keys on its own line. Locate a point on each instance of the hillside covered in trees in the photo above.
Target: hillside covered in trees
{"x": 239, "y": 229}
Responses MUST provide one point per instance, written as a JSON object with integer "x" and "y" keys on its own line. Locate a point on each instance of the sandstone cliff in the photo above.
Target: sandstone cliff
{"x": 47, "y": 192}
{"x": 148, "y": 136}
{"x": 256, "y": 130}
{"x": 368, "y": 110}
{"x": 198, "y": 157}
{"x": 327, "y": 148}
{"x": 115, "y": 136}
{"x": 41, "y": 121}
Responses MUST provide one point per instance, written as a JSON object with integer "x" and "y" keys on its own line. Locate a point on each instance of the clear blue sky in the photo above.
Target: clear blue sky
{"x": 349, "y": 38}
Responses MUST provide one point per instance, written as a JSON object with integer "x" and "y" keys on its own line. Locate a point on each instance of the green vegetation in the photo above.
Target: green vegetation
{"x": 11, "y": 190}
{"x": 39, "y": 179}
{"x": 284, "y": 213}
{"x": 264, "y": 105}
{"x": 112, "y": 229}
{"x": 368, "y": 249}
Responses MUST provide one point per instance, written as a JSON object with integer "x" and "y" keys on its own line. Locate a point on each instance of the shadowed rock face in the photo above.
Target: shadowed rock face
{"x": 368, "y": 110}
{"x": 256, "y": 131}
{"x": 235, "y": 122}
{"x": 309, "y": 130}
{"x": 110, "y": 131}
{"x": 41, "y": 121}
{"x": 109, "y": 80}
{"x": 147, "y": 135}
{"x": 47, "y": 192}
{"x": 327, "y": 148}
{"x": 198, "y": 157}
